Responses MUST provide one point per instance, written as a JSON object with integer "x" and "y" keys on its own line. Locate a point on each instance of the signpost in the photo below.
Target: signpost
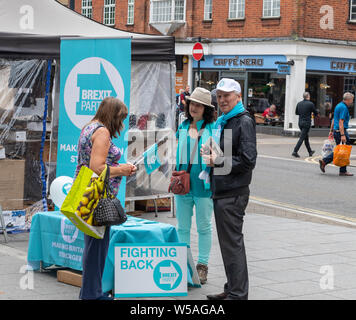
{"x": 198, "y": 54}
{"x": 198, "y": 51}
{"x": 283, "y": 69}
{"x": 150, "y": 270}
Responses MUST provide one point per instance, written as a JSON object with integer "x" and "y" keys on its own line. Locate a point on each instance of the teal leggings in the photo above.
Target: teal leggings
{"x": 203, "y": 211}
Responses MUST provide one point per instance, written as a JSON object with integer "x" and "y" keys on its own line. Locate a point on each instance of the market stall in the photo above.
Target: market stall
{"x": 29, "y": 100}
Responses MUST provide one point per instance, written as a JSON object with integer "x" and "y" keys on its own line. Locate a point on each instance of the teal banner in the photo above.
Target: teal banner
{"x": 91, "y": 70}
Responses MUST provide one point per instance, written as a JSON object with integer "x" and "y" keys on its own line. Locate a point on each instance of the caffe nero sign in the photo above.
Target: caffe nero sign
{"x": 331, "y": 64}
{"x": 240, "y": 62}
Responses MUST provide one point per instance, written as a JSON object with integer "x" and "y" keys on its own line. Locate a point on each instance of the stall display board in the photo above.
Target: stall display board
{"x": 91, "y": 70}
{"x": 150, "y": 270}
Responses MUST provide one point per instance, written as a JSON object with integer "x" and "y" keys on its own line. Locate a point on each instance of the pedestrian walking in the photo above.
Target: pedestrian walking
{"x": 338, "y": 130}
{"x": 230, "y": 189}
{"x": 304, "y": 110}
{"x": 200, "y": 121}
{"x": 95, "y": 150}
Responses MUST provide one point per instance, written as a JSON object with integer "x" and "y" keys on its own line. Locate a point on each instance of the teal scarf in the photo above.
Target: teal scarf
{"x": 219, "y": 127}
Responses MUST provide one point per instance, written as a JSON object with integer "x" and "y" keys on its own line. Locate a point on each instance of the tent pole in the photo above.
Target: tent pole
{"x": 43, "y": 169}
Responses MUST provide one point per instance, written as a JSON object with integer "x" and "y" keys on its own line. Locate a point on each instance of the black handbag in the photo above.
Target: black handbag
{"x": 109, "y": 210}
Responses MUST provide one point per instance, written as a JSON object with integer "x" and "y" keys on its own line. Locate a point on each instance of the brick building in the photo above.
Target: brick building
{"x": 244, "y": 40}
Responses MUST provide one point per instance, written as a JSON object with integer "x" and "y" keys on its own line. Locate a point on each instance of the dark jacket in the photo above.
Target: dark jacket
{"x": 242, "y": 161}
{"x": 304, "y": 110}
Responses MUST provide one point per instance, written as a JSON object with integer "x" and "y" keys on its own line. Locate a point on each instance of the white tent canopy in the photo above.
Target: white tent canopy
{"x": 33, "y": 28}
{"x": 31, "y": 32}
{"x": 49, "y": 17}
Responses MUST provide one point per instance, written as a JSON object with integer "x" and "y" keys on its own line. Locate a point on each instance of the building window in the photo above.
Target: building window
{"x": 87, "y": 8}
{"x": 353, "y": 10}
{"x": 271, "y": 8}
{"x": 109, "y": 12}
{"x": 350, "y": 84}
{"x": 179, "y": 10}
{"x": 167, "y": 10}
{"x": 208, "y": 9}
{"x": 130, "y": 11}
{"x": 237, "y": 9}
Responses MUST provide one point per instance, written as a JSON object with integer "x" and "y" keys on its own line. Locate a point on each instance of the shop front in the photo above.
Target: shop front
{"x": 261, "y": 84}
{"x": 327, "y": 79}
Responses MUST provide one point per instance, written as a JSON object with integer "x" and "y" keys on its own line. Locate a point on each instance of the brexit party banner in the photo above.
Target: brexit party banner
{"x": 91, "y": 70}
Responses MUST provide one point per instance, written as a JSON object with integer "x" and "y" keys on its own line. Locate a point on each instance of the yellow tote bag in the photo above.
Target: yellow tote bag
{"x": 82, "y": 199}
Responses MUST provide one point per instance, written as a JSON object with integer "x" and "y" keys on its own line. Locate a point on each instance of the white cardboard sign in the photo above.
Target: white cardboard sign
{"x": 150, "y": 270}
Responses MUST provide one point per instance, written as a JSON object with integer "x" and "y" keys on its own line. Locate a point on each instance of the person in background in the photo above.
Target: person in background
{"x": 214, "y": 103}
{"x": 328, "y": 110}
{"x": 304, "y": 110}
{"x": 270, "y": 113}
{"x": 199, "y": 112}
{"x": 95, "y": 150}
{"x": 338, "y": 130}
{"x": 179, "y": 100}
{"x": 179, "y": 106}
{"x": 184, "y": 95}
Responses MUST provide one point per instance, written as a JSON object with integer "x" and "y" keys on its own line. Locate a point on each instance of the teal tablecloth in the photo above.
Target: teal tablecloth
{"x": 54, "y": 240}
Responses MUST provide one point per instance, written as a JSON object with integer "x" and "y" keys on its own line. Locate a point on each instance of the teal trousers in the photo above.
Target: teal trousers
{"x": 203, "y": 214}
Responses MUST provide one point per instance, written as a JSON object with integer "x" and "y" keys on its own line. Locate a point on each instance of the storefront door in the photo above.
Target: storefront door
{"x": 241, "y": 78}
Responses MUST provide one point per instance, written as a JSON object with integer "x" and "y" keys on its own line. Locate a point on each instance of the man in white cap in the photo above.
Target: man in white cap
{"x": 230, "y": 176}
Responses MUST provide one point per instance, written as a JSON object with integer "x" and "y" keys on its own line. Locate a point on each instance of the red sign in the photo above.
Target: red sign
{"x": 198, "y": 51}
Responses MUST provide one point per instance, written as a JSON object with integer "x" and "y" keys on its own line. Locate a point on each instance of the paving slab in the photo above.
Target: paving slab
{"x": 285, "y": 259}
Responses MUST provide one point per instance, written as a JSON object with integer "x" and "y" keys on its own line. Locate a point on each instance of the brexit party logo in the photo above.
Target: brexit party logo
{"x": 69, "y": 231}
{"x": 167, "y": 275}
{"x": 88, "y": 83}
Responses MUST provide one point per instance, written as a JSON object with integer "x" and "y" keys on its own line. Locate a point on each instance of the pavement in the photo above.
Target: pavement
{"x": 288, "y": 259}
{"x": 291, "y": 254}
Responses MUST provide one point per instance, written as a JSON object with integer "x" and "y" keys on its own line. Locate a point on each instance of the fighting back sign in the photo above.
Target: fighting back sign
{"x": 150, "y": 270}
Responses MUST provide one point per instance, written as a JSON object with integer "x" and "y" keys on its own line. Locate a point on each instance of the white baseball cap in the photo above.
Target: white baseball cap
{"x": 228, "y": 85}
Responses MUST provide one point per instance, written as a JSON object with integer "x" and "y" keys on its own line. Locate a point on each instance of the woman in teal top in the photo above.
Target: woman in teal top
{"x": 198, "y": 111}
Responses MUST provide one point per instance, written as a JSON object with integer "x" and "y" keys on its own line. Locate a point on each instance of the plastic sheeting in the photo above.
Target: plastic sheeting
{"x": 22, "y": 99}
{"x": 152, "y": 123}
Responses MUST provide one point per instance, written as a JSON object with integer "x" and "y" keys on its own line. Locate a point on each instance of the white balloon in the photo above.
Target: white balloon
{"x": 59, "y": 189}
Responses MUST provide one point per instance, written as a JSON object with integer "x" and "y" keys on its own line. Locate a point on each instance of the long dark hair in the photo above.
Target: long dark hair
{"x": 112, "y": 113}
{"x": 208, "y": 114}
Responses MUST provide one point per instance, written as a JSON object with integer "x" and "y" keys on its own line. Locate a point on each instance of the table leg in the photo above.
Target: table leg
{"x": 173, "y": 209}
{"x": 156, "y": 210}
{"x": 3, "y": 226}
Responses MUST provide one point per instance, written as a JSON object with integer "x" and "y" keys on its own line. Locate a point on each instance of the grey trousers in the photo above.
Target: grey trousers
{"x": 229, "y": 213}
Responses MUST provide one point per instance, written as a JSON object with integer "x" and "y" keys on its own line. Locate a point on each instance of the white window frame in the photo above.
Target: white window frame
{"x": 109, "y": 8}
{"x": 172, "y": 13}
{"x": 130, "y": 12}
{"x": 352, "y": 5}
{"x": 239, "y": 3}
{"x": 208, "y": 10}
{"x": 274, "y": 5}
{"x": 87, "y": 8}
